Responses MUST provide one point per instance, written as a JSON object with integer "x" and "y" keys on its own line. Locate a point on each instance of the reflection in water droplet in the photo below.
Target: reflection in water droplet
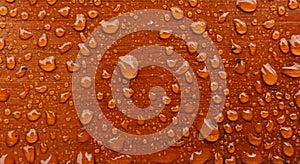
{"x": 269, "y": 75}
{"x": 247, "y": 5}
{"x": 284, "y": 45}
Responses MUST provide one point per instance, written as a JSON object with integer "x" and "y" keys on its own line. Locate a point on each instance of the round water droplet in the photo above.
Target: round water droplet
{"x": 92, "y": 14}
{"x": 86, "y": 82}
{"x": 165, "y": 34}
{"x": 293, "y": 4}
{"x": 59, "y": 32}
{"x": 253, "y": 140}
{"x": 110, "y": 27}
{"x": 243, "y": 97}
{"x": 3, "y": 10}
{"x": 198, "y": 27}
{"x": 72, "y": 66}
{"x": 31, "y": 136}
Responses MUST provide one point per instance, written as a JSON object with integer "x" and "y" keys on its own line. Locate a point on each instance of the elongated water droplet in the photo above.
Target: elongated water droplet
{"x": 223, "y": 17}
{"x": 295, "y": 44}
{"x": 50, "y": 118}
{"x": 293, "y": 4}
{"x": 292, "y": 71}
{"x": 10, "y": 62}
{"x": 43, "y": 41}
{"x": 252, "y": 48}
{"x": 80, "y": 22}
{"x": 269, "y": 75}
{"x": 4, "y": 95}
{"x": 288, "y": 149}
{"x": 12, "y": 138}
{"x": 65, "y": 47}
{"x": 247, "y": 5}
{"x": 284, "y": 45}
{"x": 269, "y": 24}
{"x": 29, "y": 152}
{"x": 297, "y": 99}
{"x": 2, "y": 43}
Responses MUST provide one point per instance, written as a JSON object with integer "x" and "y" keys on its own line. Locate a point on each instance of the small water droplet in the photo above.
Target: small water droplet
{"x": 223, "y": 17}
{"x": 43, "y": 41}
{"x": 92, "y": 14}
{"x": 269, "y": 24}
{"x": 65, "y": 47}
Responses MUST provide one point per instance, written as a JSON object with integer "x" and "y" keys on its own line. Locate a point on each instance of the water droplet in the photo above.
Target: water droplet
{"x": 29, "y": 152}
{"x": 223, "y": 17}
{"x": 269, "y": 24}
{"x": 72, "y": 66}
{"x": 193, "y": 3}
{"x": 292, "y": 71}
{"x": 288, "y": 149}
{"x": 232, "y": 115}
{"x": 203, "y": 73}
{"x": 128, "y": 92}
{"x": 110, "y": 27}
{"x": 80, "y": 22}
{"x": 270, "y": 126}
{"x": 198, "y": 27}
{"x": 235, "y": 48}
{"x": 33, "y": 115}
{"x": 165, "y": 34}
{"x": 201, "y": 57}
{"x": 92, "y": 43}
{"x": 293, "y": 4}
{"x": 281, "y": 10}
{"x": 41, "y": 89}
{"x": 269, "y": 75}
{"x": 64, "y": 11}
{"x": 13, "y": 12}
{"x": 240, "y": 26}
{"x": 59, "y": 32}
{"x": 31, "y": 136}
{"x": 295, "y": 44}
{"x": 48, "y": 64}
{"x": 215, "y": 62}
{"x": 268, "y": 97}
{"x": 253, "y": 140}
{"x": 50, "y": 118}
{"x": 247, "y": 114}
{"x": 86, "y": 82}
{"x": 116, "y": 143}
{"x": 247, "y": 5}
{"x": 10, "y": 62}
{"x": 284, "y": 45}
{"x": 286, "y": 132}
{"x": 2, "y": 43}
{"x": 175, "y": 88}
{"x": 24, "y": 15}
{"x": 83, "y": 137}
{"x": 243, "y": 97}
{"x": 128, "y": 66}
{"x": 296, "y": 97}
{"x": 43, "y": 41}
{"x": 12, "y": 138}
{"x": 51, "y": 2}
{"x": 42, "y": 14}
{"x": 192, "y": 46}
{"x": 177, "y": 13}
{"x": 166, "y": 100}
{"x": 92, "y": 14}
{"x": 24, "y": 34}
{"x": 65, "y": 47}
{"x": 240, "y": 67}
{"x": 3, "y": 10}
{"x": 50, "y": 160}
{"x": 4, "y": 95}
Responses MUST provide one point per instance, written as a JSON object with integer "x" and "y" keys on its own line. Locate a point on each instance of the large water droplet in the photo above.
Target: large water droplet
{"x": 269, "y": 75}
{"x": 240, "y": 26}
{"x": 247, "y": 5}
{"x": 48, "y": 64}
{"x": 128, "y": 66}
{"x": 295, "y": 44}
{"x": 198, "y": 27}
{"x": 110, "y": 27}
{"x": 80, "y": 22}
